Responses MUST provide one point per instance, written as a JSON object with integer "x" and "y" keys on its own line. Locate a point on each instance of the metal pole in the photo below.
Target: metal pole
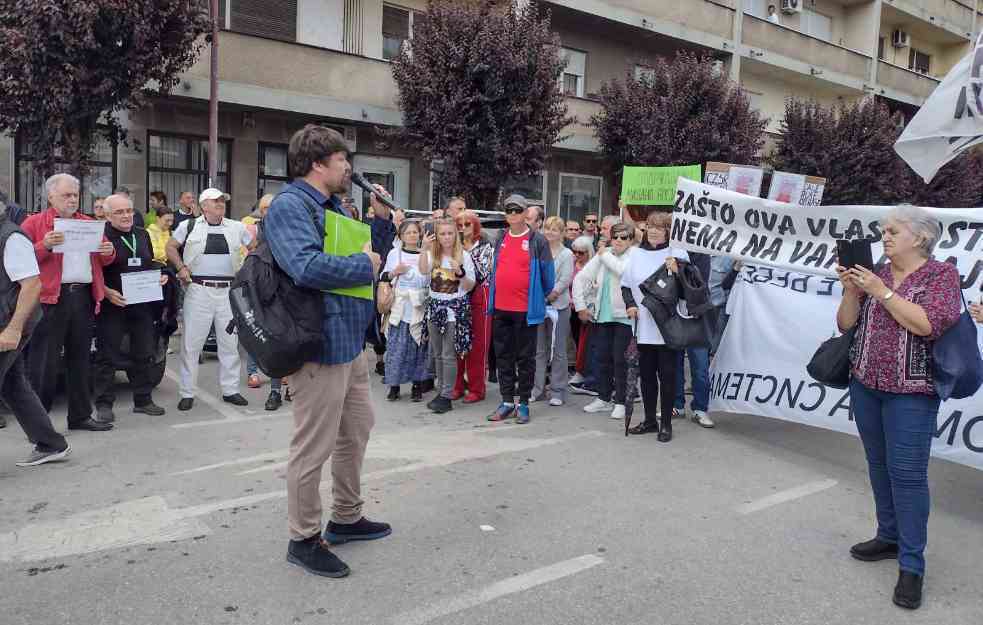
{"x": 213, "y": 101}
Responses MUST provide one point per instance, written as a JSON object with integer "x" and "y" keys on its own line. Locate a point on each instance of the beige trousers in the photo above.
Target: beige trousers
{"x": 332, "y": 419}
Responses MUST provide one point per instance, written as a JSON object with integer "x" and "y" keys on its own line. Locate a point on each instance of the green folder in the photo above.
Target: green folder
{"x": 344, "y": 237}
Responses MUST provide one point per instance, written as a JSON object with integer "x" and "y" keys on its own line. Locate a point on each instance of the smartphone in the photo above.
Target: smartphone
{"x": 428, "y": 228}
{"x": 855, "y": 253}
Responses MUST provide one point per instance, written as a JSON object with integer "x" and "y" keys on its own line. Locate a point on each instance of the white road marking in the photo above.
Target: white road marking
{"x": 510, "y": 586}
{"x": 786, "y": 495}
{"x": 213, "y": 402}
{"x": 486, "y": 528}
{"x": 142, "y": 521}
{"x": 150, "y": 520}
{"x": 228, "y": 421}
{"x": 271, "y": 455}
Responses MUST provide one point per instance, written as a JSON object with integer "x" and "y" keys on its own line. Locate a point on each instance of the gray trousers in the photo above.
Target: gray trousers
{"x": 444, "y": 357}
{"x": 559, "y": 375}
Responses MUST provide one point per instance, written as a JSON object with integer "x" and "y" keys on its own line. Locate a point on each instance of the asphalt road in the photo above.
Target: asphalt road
{"x": 182, "y": 519}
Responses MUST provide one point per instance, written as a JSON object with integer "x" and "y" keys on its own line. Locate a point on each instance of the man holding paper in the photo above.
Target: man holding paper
{"x": 72, "y": 289}
{"x": 126, "y": 312}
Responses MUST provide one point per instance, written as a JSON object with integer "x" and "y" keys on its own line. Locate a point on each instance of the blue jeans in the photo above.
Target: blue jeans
{"x": 253, "y": 369}
{"x": 699, "y": 371}
{"x": 591, "y": 377}
{"x": 896, "y": 431}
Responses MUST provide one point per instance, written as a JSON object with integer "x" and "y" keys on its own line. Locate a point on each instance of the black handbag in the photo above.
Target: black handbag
{"x": 830, "y": 365}
{"x": 662, "y": 292}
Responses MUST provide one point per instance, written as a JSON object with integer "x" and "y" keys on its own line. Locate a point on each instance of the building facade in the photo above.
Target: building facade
{"x": 284, "y": 63}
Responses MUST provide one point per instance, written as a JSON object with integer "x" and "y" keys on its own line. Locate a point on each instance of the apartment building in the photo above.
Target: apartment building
{"x": 284, "y": 63}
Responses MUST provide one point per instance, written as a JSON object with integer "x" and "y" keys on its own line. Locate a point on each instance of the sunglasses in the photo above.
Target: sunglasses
{"x": 590, "y": 221}
{"x": 512, "y": 209}
{"x": 623, "y": 237}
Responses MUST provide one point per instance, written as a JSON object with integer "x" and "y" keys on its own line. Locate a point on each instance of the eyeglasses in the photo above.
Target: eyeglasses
{"x": 590, "y": 221}
{"x": 512, "y": 209}
{"x": 623, "y": 237}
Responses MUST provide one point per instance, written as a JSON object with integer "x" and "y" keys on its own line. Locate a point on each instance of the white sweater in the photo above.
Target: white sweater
{"x": 590, "y": 278}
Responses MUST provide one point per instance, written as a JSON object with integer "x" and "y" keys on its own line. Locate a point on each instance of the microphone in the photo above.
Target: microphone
{"x": 358, "y": 179}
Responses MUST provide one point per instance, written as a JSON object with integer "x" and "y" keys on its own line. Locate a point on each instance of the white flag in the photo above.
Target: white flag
{"x": 950, "y": 121}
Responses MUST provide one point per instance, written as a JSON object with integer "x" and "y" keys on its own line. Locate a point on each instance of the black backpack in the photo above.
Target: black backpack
{"x": 279, "y": 324}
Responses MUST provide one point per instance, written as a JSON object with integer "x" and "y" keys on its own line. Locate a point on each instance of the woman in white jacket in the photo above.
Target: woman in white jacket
{"x": 611, "y": 325}
{"x": 657, "y": 362}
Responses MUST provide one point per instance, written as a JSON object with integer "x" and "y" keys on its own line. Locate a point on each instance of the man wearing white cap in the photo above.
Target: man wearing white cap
{"x": 206, "y": 267}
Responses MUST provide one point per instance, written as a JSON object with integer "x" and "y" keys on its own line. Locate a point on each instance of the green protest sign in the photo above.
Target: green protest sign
{"x": 654, "y": 185}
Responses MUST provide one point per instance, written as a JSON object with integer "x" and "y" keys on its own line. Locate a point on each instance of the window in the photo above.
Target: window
{"x": 99, "y": 182}
{"x": 397, "y": 29}
{"x": 572, "y": 80}
{"x": 758, "y": 8}
{"x": 880, "y": 48}
{"x": 579, "y": 195}
{"x": 177, "y": 163}
{"x": 643, "y": 72}
{"x": 919, "y": 61}
{"x": 273, "y": 172}
{"x": 533, "y": 188}
{"x": 816, "y": 25}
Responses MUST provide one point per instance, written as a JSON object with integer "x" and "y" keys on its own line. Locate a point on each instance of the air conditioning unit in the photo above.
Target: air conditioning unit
{"x": 350, "y": 133}
{"x": 900, "y": 39}
{"x": 791, "y": 6}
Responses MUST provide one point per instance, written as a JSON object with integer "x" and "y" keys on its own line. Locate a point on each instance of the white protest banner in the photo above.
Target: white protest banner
{"x": 803, "y": 238}
{"x": 142, "y": 286}
{"x": 81, "y": 235}
{"x": 744, "y": 179}
{"x": 778, "y": 319}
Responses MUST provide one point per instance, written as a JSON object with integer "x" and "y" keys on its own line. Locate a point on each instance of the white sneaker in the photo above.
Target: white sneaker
{"x": 556, "y": 401}
{"x": 576, "y": 378}
{"x": 598, "y": 405}
{"x": 701, "y": 418}
{"x": 618, "y": 412}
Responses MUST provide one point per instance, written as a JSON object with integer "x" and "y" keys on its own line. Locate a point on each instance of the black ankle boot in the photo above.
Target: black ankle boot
{"x": 393, "y": 393}
{"x": 665, "y": 432}
{"x": 416, "y": 392}
{"x": 874, "y": 550}
{"x": 908, "y": 591}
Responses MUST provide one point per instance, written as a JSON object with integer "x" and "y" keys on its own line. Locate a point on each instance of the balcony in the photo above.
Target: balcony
{"x": 715, "y": 17}
{"x": 953, "y": 15}
{"x": 917, "y": 86}
{"x": 762, "y": 35}
{"x": 267, "y": 73}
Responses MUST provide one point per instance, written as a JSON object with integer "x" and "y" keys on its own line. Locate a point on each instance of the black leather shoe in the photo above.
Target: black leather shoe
{"x": 874, "y": 550}
{"x": 380, "y": 367}
{"x": 908, "y": 591}
{"x": 314, "y": 557}
{"x": 665, "y": 435}
{"x": 151, "y": 409}
{"x": 235, "y": 400}
{"x": 273, "y": 402}
{"x": 91, "y": 425}
{"x": 363, "y": 529}
{"x": 644, "y": 427}
{"x": 416, "y": 394}
{"x": 186, "y": 403}
{"x": 393, "y": 393}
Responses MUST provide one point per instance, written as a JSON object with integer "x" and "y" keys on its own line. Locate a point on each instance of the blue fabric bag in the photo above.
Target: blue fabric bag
{"x": 958, "y": 370}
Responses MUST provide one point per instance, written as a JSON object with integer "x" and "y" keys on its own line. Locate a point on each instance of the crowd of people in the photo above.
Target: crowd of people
{"x": 545, "y": 307}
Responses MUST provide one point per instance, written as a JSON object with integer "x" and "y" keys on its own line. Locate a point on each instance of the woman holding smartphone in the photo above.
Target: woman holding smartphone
{"x": 898, "y": 313}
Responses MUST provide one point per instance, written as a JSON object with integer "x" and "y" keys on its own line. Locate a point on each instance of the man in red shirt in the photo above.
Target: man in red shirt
{"x": 72, "y": 288}
{"x": 522, "y": 275}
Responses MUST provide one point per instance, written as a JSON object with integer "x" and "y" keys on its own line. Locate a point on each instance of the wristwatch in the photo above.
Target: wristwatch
{"x": 889, "y": 295}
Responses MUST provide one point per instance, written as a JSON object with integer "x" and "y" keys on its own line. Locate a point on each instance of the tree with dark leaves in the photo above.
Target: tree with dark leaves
{"x": 478, "y": 91}
{"x": 683, "y": 111}
{"x": 69, "y": 67}
{"x": 852, "y": 146}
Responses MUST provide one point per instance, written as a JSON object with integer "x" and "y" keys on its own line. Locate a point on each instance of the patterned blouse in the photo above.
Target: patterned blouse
{"x": 482, "y": 254}
{"x": 887, "y": 357}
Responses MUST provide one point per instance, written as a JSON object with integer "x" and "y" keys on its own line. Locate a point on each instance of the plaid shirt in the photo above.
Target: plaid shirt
{"x": 297, "y": 245}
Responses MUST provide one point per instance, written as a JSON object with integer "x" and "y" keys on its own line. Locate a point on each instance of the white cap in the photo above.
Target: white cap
{"x": 212, "y": 194}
